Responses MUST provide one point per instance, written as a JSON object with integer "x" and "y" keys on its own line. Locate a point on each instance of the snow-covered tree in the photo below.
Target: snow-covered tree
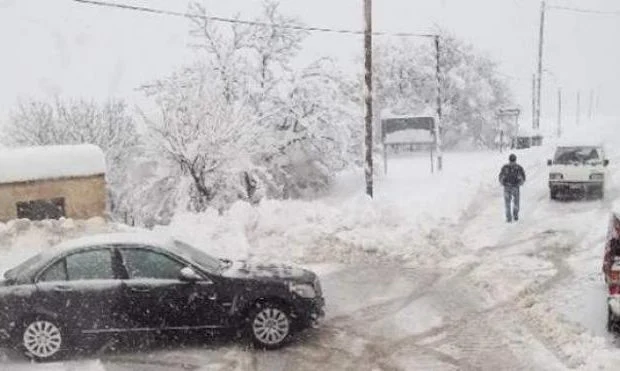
{"x": 203, "y": 137}
{"x": 472, "y": 88}
{"x": 242, "y": 123}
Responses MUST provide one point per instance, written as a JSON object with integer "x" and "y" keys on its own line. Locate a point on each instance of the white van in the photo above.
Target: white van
{"x": 578, "y": 169}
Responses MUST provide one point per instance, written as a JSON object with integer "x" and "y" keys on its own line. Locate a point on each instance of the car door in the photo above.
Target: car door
{"x": 84, "y": 289}
{"x": 159, "y": 300}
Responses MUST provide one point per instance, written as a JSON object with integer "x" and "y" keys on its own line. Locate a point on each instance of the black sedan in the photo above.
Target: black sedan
{"x": 137, "y": 283}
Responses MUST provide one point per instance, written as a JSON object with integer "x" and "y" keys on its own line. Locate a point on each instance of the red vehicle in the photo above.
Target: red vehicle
{"x": 611, "y": 269}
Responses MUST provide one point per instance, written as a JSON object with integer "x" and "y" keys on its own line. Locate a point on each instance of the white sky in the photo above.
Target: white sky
{"x": 51, "y": 46}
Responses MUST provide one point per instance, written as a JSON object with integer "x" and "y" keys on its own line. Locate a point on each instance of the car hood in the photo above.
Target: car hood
{"x": 270, "y": 272}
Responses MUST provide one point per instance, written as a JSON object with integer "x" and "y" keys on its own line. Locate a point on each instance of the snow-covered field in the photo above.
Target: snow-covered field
{"x": 426, "y": 276}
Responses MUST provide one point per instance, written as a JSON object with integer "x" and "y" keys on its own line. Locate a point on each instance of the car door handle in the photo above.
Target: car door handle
{"x": 140, "y": 289}
{"x": 62, "y": 289}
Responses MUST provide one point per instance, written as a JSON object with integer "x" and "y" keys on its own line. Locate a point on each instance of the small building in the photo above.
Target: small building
{"x": 50, "y": 182}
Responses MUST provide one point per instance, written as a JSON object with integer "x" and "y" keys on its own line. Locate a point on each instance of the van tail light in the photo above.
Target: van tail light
{"x": 614, "y": 275}
{"x": 614, "y": 289}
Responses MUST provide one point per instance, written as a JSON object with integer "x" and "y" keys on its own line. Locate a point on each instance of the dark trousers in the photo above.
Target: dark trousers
{"x": 511, "y": 200}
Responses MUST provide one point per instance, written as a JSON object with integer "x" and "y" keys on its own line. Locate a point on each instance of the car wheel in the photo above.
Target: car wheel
{"x": 270, "y": 326}
{"x": 42, "y": 339}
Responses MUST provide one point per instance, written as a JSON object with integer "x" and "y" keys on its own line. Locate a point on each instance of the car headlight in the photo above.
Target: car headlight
{"x": 303, "y": 289}
{"x": 556, "y": 176}
{"x": 597, "y": 176}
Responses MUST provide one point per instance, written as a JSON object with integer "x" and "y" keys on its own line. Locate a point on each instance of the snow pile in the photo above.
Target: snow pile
{"x": 409, "y": 218}
{"x": 50, "y": 162}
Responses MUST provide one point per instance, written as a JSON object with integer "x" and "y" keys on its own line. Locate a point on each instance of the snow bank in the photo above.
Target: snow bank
{"x": 409, "y": 217}
{"x": 50, "y": 162}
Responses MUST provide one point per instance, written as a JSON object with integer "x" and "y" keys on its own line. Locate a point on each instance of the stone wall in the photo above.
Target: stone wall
{"x": 85, "y": 197}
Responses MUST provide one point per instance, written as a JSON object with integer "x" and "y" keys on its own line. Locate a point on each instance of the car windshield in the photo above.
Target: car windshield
{"x": 199, "y": 257}
{"x": 572, "y": 155}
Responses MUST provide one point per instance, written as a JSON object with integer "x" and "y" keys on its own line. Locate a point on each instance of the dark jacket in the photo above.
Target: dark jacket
{"x": 512, "y": 175}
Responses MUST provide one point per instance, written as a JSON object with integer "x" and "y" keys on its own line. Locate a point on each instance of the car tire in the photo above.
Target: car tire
{"x": 612, "y": 321}
{"x": 269, "y": 325}
{"x": 42, "y": 339}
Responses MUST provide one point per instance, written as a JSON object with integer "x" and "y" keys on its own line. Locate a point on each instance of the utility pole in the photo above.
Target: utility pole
{"x": 540, "y": 57}
{"x": 559, "y": 112}
{"x": 533, "y": 102}
{"x": 438, "y": 121}
{"x": 578, "y": 107}
{"x": 596, "y": 100}
{"x": 590, "y": 105}
{"x": 368, "y": 94}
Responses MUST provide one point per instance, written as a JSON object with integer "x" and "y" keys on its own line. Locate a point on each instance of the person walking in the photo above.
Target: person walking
{"x": 512, "y": 177}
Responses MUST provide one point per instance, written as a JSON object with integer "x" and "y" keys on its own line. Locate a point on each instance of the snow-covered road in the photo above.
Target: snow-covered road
{"x": 487, "y": 306}
{"x": 469, "y": 293}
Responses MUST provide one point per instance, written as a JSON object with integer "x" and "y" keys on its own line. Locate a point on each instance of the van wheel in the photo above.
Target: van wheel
{"x": 270, "y": 325}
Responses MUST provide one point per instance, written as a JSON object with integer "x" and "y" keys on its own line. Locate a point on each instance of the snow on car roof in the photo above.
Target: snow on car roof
{"x": 580, "y": 143}
{"x": 125, "y": 238}
{"x": 50, "y": 162}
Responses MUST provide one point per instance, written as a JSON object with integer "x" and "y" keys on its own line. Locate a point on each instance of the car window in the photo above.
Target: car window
{"x": 56, "y": 272}
{"x": 90, "y": 265}
{"x": 142, "y": 263}
{"x": 571, "y": 155}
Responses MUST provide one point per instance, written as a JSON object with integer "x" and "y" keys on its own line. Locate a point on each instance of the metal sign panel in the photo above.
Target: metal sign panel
{"x": 397, "y": 124}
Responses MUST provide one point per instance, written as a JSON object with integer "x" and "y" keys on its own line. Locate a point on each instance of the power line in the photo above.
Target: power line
{"x": 586, "y": 11}
{"x": 246, "y": 22}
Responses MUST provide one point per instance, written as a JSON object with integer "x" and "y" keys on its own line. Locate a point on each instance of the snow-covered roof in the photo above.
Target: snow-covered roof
{"x": 50, "y": 162}
{"x": 409, "y": 136}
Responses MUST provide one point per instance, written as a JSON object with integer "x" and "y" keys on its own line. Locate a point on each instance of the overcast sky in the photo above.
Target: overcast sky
{"x": 59, "y": 46}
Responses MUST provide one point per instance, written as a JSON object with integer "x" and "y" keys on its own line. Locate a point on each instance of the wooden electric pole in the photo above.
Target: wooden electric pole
{"x": 578, "y": 107}
{"x": 438, "y": 121}
{"x": 368, "y": 94}
{"x": 591, "y": 105}
{"x": 533, "y": 102}
{"x": 559, "y": 112}
{"x": 540, "y": 57}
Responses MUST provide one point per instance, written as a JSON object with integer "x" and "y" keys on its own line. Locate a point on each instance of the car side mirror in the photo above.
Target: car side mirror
{"x": 187, "y": 274}
{"x": 605, "y": 162}
{"x": 549, "y": 162}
